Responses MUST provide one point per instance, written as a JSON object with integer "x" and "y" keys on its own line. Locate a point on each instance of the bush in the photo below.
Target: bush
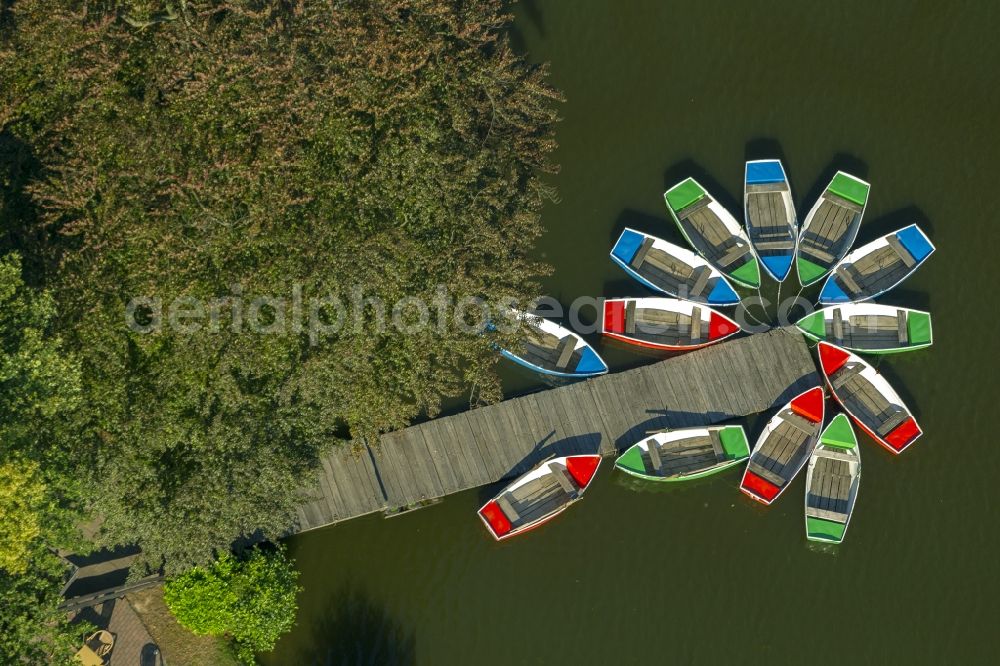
{"x": 250, "y": 600}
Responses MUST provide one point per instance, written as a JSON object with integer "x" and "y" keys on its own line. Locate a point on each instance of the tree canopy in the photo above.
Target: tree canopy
{"x": 40, "y": 493}
{"x": 209, "y": 149}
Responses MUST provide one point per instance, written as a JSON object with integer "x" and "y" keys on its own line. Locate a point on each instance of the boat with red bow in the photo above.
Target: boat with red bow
{"x": 539, "y": 495}
{"x": 868, "y": 398}
{"x": 670, "y": 324}
{"x": 784, "y": 446}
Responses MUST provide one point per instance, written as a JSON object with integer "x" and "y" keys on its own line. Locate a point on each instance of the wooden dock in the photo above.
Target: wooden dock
{"x": 606, "y": 414}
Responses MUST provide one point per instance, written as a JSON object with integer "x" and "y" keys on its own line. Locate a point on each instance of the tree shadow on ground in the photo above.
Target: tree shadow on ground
{"x": 353, "y": 630}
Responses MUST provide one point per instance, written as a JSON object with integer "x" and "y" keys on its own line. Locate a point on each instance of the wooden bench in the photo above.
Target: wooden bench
{"x": 695, "y": 323}
{"x": 797, "y": 422}
{"x": 693, "y": 208}
{"x": 766, "y": 474}
{"x": 630, "y": 317}
{"x": 701, "y": 279}
{"x": 838, "y": 324}
{"x": 891, "y": 418}
{"x": 841, "y": 202}
{"x": 836, "y": 455}
{"x": 767, "y": 246}
{"x": 826, "y": 514}
{"x": 508, "y": 508}
{"x": 901, "y": 250}
{"x": 640, "y": 254}
{"x": 654, "y": 456}
{"x": 732, "y": 254}
{"x": 720, "y": 451}
{"x": 754, "y": 188}
{"x": 901, "y": 331}
{"x": 844, "y": 375}
{"x": 562, "y": 476}
{"x": 565, "y": 351}
{"x": 845, "y": 277}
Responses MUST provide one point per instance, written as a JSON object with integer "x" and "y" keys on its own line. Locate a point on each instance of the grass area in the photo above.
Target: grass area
{"x": 178, "y": 645}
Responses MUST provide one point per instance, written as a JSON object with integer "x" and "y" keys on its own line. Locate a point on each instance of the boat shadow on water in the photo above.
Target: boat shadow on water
{"x": 766, "y": 148}
{"x": 875, "y": 228}
{"x": 840, "y": 162}
{"x": 688, "y": 168}
{"x": 660, "y": 226}
{"x": 354, "y": 629}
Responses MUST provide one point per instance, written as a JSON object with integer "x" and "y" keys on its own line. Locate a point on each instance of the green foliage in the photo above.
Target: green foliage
{"x": 21, "y": 502}
{"x": 251, "y": 600}
{"x": 32, "y": 628}
{"x": 188, "y": 147}
{"x": 39, "y": 492}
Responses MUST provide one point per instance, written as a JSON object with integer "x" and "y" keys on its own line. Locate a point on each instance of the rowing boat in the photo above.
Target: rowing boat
{"x": 832, "y": 482}
{"x": 713, "y": 232}
{"x": 868, "y": 398}
{"x": 689, "y": 453}
{"x": 671, "y": 269}
{"x": 665, "y": 323}
{"x": 830, "y": 227}
{"x": 784, "y": 447}
{"x": 869, "y": 328}
{"x": 539, "y": 495}
{"x": 770, "y": 216}
{"x": 877, "y": 267}
{"x": 554, "y": 350}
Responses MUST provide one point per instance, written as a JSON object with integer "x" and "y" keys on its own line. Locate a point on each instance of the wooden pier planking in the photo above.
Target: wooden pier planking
{"x": 604, "y": 415}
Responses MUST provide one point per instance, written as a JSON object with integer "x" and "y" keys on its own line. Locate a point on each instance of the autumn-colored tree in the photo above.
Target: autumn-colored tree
{"x": 209, "y": 147}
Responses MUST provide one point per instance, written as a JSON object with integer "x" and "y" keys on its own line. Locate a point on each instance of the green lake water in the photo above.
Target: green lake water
{"x": 905, "y": 95}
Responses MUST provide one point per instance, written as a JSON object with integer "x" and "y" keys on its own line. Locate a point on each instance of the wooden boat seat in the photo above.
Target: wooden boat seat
{"x": 701, "y": 280}
{"x": 774, "y": 232}
{"x": 666, "y": 263}
{"x": 640, "y": 254}
{"x": 838, "y": 325}
{"x": 790, "y": 417}
{"x": 843, "y": 375}
{"x": 826, "y": 514}
{"x": 693, "y": 208}
{"x": 695, "y": 323}
{"x": 630, "y": 317}
{"x": 732, "y": 254}
{"x": 717, "y": 448}
{"x": 818, "y": 252}
{"x": 654, "y": 456}
{"x": 754, "y": 188}
{"x": 836, "y": 455}
{"x": 841, "y": 202}
{"x": 775, "y": 245}
{"x": 901, "y": 250}
{"x": 901, "y": 331}
{"x": 891, "y": 418}
{"x": 766, "y": 474}
{"x": 562, "y": 476}
{"x": 565, "y": 351}
{"x": 845, "y": 277}
{"x": 508, "y": 508}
